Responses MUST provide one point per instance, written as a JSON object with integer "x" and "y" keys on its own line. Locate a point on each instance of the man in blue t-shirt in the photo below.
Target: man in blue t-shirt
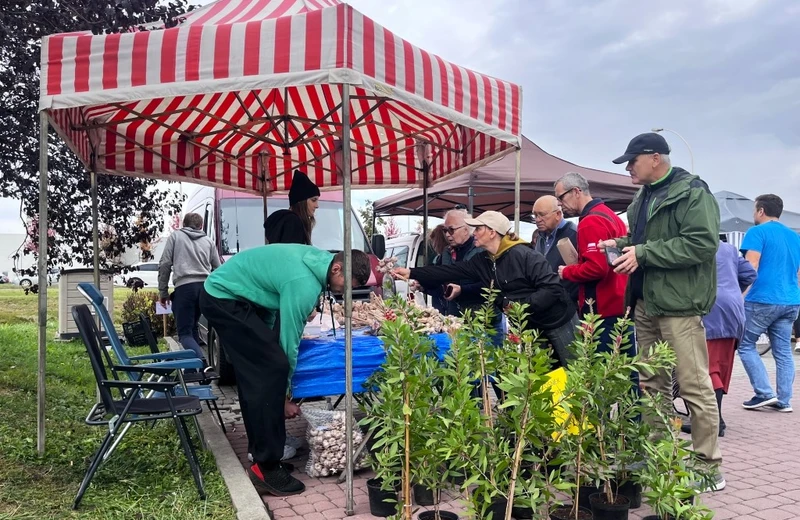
{"x": 772, "y": 304}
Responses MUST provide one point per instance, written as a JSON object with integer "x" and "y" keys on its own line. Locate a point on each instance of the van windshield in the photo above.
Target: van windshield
{"x": 242, "y": 225}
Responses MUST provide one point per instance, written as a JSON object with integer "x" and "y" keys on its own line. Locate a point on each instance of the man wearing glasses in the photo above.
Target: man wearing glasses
{"x": 460, "y": 247}
{"x": 552, "y": 227}
{"x": 669, "y": 257}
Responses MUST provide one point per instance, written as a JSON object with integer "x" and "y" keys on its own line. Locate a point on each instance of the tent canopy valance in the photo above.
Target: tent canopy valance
{"x": 247, "y": 90}
{"x": 492, "y": 187}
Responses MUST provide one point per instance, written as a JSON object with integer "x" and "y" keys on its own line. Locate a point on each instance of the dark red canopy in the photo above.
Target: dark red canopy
{"x": 493, "y": 187}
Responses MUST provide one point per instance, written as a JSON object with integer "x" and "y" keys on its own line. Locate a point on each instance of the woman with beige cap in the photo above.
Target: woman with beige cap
{"x": 518, "y": 272}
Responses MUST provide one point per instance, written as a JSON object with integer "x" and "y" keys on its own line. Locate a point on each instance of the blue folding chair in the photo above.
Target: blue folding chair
{"x": 187, "y": 359}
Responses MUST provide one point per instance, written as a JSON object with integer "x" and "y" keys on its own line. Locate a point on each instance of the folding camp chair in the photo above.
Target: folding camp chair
{"x": 133, "y": 403}
{"x": 203, "y": 377}
{"x": 676, "y": 396}
{"x": 203, "y": 392}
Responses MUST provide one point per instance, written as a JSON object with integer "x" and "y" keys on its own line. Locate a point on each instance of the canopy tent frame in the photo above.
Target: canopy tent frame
{"x": 339, "y": 151}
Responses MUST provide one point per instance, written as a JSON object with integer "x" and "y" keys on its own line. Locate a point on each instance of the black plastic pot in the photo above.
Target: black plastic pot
{"x": 521, "y": 513}
{"x": 497, "y": 509}
{"x": 424, "y": 496}
{"x": 563, "y": 513}
{"x": 602, "y": 510}
{"x": 653, "y": 517}
{"x": 431, "y": 515}
{"x": 378, "y": 505}
{"x": 583, "y": 495}
{"x": 632, "y": 490}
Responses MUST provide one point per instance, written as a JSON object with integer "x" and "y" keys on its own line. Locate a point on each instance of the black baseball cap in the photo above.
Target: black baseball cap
{"x": 648, "y": 143}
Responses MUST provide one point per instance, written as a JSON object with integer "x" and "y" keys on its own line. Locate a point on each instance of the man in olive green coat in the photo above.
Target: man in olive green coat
{"x": 669, "y": 255}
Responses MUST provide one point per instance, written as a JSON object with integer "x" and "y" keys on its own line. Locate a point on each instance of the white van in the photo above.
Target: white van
{"x": 235, "y": 222}
{"x": 408, "y": 249}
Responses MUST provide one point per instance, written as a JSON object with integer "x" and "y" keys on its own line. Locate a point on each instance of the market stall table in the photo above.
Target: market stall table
{"x": 321, "y": 363}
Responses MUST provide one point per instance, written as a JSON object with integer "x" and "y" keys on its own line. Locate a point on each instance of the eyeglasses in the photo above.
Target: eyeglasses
{"x": 561, "y": 197}
{"x": 451, "y": 230}
{"x": 540, "y": 216}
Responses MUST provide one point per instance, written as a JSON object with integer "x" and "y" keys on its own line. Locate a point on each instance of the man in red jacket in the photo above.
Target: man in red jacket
{"x": 597, "y": 279}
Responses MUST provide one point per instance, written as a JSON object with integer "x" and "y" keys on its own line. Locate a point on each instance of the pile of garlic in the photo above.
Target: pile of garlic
{"x": 327, "y": 445}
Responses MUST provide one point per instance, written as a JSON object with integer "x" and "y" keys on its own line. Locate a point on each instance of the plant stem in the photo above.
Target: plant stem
{"x": 487, "y": 402}
{"x": 517, "y": 456}
{"x": 407, "y": 469}
{"x": 581, "y": 425}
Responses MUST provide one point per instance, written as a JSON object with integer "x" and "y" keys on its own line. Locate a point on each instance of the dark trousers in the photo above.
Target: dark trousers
{"x": 262, "y": 372}
{"x": 561, "y": 338}
{"x": 186, "y": 308}
{"x": 606, "y": 344}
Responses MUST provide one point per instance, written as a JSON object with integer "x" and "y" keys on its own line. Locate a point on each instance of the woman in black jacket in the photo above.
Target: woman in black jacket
{"x": 518, "y": 272}
{"x": 294, "y": 225}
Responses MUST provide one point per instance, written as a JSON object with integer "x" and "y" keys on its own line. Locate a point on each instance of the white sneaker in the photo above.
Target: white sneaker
{"x": 294, "y": 442}
{"x": 288, "y": 453}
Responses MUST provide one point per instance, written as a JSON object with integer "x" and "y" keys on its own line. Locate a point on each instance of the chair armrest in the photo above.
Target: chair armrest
{"x": 159, "y": 386}
{"x": 145, "y": 369}
{"x": 160, "y": 356}
{"x": 176, "y": 364}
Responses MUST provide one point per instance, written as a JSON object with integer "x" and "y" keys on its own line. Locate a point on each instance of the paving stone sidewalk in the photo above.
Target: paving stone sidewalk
{"x": 761, "y": 452}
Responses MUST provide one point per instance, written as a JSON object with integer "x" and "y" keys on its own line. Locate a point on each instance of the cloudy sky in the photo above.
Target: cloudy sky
{"x": 725, "y": 74}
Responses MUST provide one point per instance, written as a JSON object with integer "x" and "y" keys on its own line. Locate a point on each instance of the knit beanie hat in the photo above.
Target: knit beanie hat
{"x": 302, "y": 188}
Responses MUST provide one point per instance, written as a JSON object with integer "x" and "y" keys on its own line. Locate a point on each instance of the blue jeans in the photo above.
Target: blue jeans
{"x": 186, "y": 308}
{"x": 776, "y": 321}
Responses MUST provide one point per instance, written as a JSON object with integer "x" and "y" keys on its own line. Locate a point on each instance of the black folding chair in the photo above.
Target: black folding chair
{"x": 676, "y": 396}
{"x": 132, "y": 404}
{"x": 203, "y": 377}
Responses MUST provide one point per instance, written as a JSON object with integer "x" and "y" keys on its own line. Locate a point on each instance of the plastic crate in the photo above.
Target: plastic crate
{"x": 134, "y": 334}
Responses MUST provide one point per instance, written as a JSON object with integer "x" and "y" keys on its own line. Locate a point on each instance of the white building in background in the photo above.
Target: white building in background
{"x": 9, "y": 245}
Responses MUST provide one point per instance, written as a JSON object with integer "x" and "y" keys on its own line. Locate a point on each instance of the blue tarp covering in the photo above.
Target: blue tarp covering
{"x": 320, "y": 363}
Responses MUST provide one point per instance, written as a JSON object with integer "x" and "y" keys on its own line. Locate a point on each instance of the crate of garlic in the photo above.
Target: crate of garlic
{"x": 374, "y": 312}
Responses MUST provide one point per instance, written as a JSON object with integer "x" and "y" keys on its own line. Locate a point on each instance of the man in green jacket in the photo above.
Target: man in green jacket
{"x": 242, "y": 300}
{"x": 669, "y": 255}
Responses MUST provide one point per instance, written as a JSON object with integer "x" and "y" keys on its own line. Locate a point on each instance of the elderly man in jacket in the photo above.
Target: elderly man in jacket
{"x": 669, "y": 255}
{"x": 548, "y": 216}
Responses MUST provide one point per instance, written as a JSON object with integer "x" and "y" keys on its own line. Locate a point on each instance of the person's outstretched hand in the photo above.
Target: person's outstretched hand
{"x": 401, "y": 273}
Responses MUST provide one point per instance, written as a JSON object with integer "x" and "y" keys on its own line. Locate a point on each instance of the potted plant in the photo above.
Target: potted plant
{"x": 673, "y": 473}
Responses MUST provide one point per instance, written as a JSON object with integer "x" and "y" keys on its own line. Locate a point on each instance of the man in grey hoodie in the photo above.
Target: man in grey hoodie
{"x": 190, "y": 256}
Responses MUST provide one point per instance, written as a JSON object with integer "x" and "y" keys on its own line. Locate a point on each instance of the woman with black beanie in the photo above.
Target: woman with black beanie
{"x": 294, "y": 225}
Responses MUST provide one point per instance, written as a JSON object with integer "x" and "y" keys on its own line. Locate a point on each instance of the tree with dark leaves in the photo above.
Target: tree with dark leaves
{"x": 130, "y": 210}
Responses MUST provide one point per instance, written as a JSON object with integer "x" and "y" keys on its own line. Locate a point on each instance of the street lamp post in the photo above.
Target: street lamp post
{"x": 691, "y": 155}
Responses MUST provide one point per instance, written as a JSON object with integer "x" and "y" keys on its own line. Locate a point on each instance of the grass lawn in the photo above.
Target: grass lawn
{"x": 147, "y": 477}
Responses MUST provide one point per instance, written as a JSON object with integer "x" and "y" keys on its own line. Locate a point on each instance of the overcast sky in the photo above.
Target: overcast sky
{"x": 725, "y": 74}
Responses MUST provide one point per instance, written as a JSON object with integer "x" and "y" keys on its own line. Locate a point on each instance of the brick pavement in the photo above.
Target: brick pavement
{"x": 761, "y": 451}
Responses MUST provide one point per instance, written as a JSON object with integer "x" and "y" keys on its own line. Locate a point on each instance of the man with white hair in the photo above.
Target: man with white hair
{"x": 552, "y": 227}
{"x": 463, "y": 294}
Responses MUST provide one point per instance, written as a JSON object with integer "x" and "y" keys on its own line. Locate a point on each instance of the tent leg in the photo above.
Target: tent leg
{"x": 95, "y": 227}
{"x": 424, "y": 216}
{"x": 517, "y": 190}
{"x": 471, "y": 199}
{"x": 264, "y": 190}
{"x": 348, "y": 297}
{"x": 43, "y": 228}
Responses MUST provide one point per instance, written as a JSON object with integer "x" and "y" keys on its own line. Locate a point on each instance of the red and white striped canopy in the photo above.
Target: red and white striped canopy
{"x": 245, "y": 90}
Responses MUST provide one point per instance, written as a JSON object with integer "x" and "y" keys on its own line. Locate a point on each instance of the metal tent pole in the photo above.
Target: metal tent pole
{"x": 264, "y": 189}
{"x": 517, "y": 190}
{"x": 348, "y": 296}
{"x": 425, "y": 213}
{"x": 43, "y": 227}
{"x": 471, "y": 199}
{"x": 95, "y": 227}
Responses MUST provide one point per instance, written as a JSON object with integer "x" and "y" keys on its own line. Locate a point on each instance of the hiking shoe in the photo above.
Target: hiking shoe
{"x": 759, "y": 402}
{"x": 717, "y": 483}
{"x": 288, "y": 453}
{"x": 276, "y": 482}
{"x": 288, "y": 466}
{"x": 293, "y": 442}
{"x": 780, "y": 407}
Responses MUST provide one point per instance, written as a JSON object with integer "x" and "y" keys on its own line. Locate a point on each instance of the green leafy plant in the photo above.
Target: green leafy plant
{"x": 402, "y": 384}
{"x": 145, "y": 302}
{"x": 673, "y": 474}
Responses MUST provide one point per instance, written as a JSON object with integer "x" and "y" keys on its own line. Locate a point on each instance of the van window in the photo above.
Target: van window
{"x": 242, "y": 225}
{"x": 402, "y": 256}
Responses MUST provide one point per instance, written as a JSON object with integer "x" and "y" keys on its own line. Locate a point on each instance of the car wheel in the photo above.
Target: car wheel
{"x": 218, "y": 359}
{"x": 25, "y": 283}
{"x": 135, "y": 283}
